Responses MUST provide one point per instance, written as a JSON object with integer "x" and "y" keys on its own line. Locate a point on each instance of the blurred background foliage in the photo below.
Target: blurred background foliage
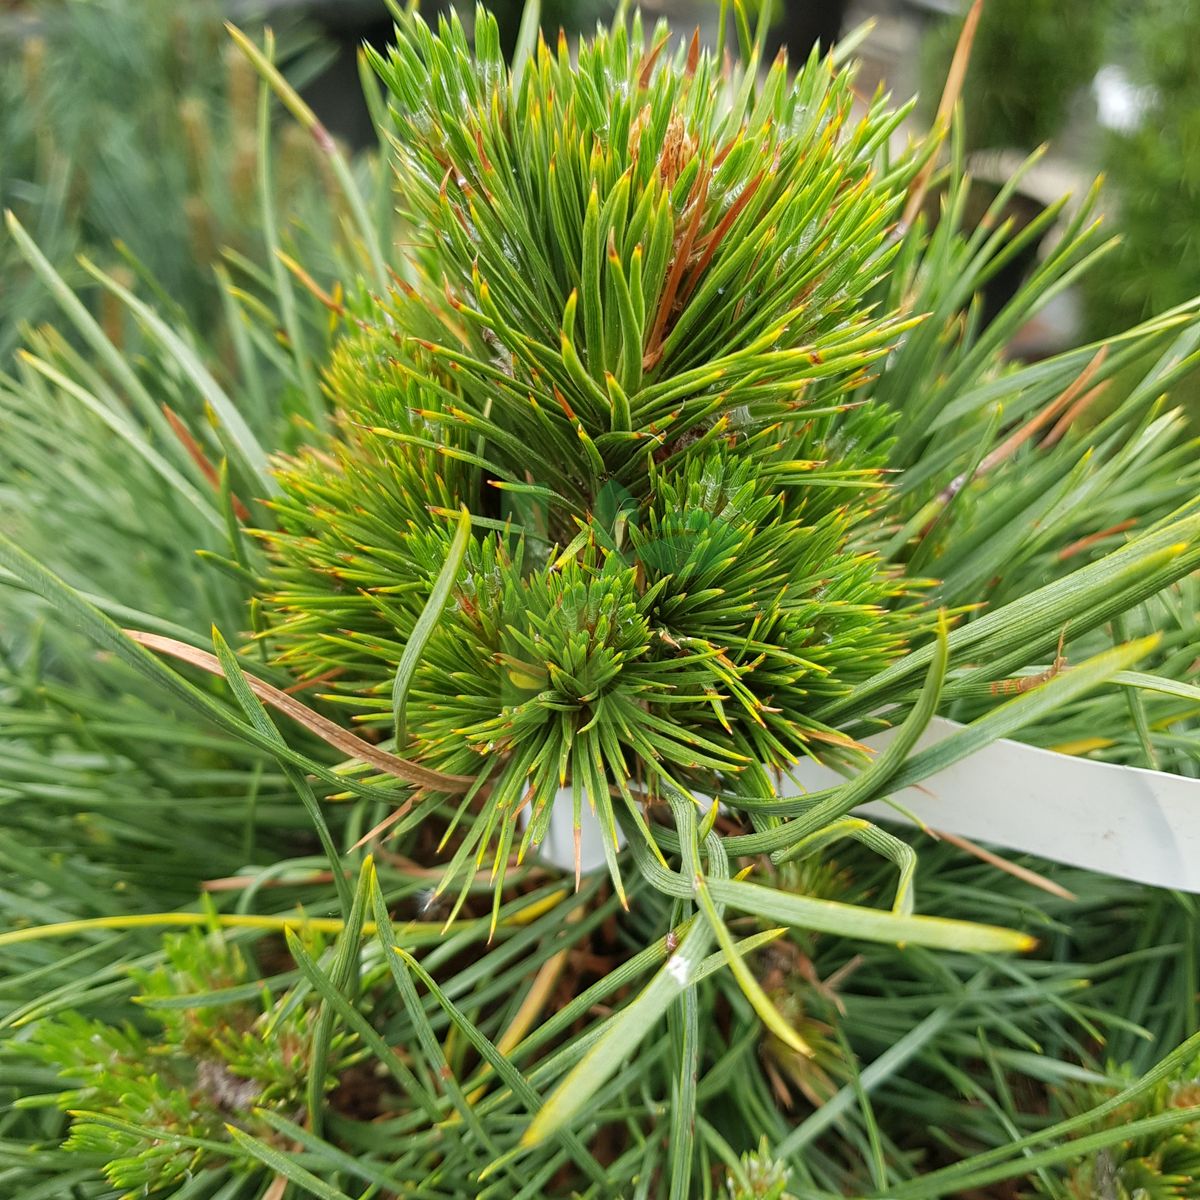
{"x": 1029, "y": 62}
{"x": 128, "y": 131}
{"x": 106, "y": 102}
{"x": 1153, "y": 167}
{"x": 1113, "y": 87}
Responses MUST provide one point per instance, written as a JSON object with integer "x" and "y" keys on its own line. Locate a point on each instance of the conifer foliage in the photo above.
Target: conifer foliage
{"x": 637, "y": 307}
{"x": 674, "y": 450}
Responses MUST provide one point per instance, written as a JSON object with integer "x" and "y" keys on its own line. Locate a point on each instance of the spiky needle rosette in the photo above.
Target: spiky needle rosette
{"x": 630, "y": 275}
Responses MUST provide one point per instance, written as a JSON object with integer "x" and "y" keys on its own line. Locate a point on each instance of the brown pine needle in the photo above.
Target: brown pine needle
{"x": 693, "y": 58}
{"x": 384, "y": 825}
{"x": 278, "y": 1187}
{"x": 1087, "y": 542}
{"x": 196, "y": 453}
{"x": 331, "y": 302}
{"x": 683, "y": 252}
{"x": 341, "y": 739}
{"x": 1073, "y": 413}
{"x": 713, "y": 241}
{"x": 235, "y": 883}
{"x": 1068, "y": 398}
{"x": 648, "y": 61}
{"x": 308, "y": 684}
{"x": 534, "y": 1002}
{"x": 1016, "y": 440}
{"x": 950, "y": 94}
{"x": 1010, "y": 868}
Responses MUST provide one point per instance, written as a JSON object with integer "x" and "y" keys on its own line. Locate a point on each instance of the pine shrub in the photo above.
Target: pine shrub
{"x": 668, "y": 450}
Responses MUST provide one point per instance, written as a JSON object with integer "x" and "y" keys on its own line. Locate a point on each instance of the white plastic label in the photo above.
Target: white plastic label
{"x": 1124, "y": 821}
{"x": 558, "y": 846}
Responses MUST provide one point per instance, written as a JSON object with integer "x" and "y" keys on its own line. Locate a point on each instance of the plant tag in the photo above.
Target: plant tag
{"x": 557, "y": 848}
{"x": 1124, "y": 821}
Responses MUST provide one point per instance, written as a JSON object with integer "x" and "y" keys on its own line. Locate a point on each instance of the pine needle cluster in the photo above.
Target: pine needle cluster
{"x": 637, "y": 315}
{"x": 1154, "y": 1165}
{"x": 202, "y": 1068}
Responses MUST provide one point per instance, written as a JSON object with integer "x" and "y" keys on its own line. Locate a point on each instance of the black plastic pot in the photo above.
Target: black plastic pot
{"x": 1022, "y": 209}
{"x": 803, "y": 24}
